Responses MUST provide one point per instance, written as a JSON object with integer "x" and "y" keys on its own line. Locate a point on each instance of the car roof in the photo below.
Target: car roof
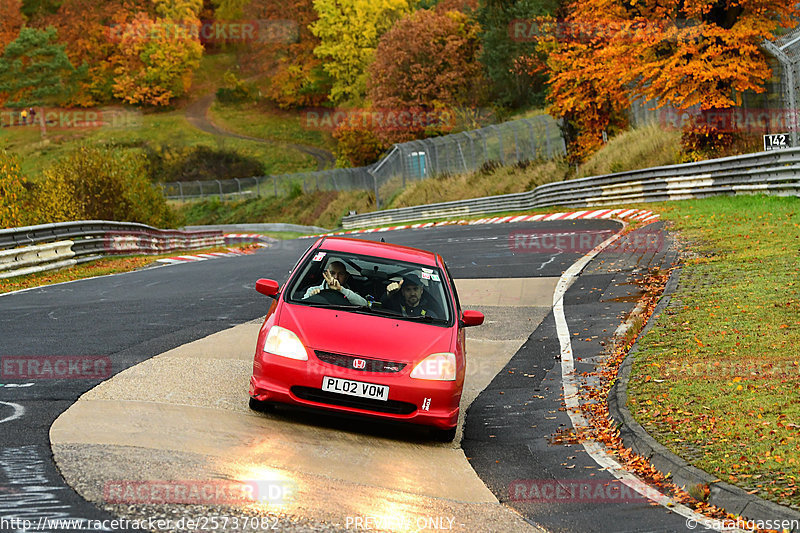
{"x": 378, "y": 249}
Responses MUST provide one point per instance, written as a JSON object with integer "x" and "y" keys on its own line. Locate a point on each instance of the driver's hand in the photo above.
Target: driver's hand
{"x": 314, "y": 291}
{"x": 393, "y": 286}
{"x": 333, "y": 283}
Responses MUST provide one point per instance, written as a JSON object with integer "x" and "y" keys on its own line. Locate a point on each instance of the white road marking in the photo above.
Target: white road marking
{"x": 571, "y": 394}
{"x": 18, "y": 412}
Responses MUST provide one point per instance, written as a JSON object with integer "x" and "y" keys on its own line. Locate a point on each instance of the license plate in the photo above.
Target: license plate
{"x": 355, "y": 388}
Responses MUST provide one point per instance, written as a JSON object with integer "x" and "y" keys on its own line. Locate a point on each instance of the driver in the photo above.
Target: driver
{"x": 336, "y": 277}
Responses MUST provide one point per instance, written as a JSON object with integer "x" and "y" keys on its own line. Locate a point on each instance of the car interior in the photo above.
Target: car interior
{"x": 370, "y": 279}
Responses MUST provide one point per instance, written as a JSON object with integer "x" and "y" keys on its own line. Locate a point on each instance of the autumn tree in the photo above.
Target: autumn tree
{"x": 284, "y": 52}
{"x": 349, "y": 31}
{"x": 505, "y": 38}
{"x": 35, "y": 71}
{"x": 90, "y": 31}
{"x": 11, "y": 20}
{"x": 692, "y": 53}
{"x": 591, "y": 102}
{"x": 428, "y": 59}
{"x": 156, "y": 56}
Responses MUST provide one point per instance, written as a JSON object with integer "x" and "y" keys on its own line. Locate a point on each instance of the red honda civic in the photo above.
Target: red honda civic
{"x": 368, "y": 328}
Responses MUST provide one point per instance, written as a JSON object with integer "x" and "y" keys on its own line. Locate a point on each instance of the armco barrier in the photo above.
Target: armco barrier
{"x": 776, "y": 172}
{"x": 47, "y": 246}
{"x": 36, "y": 258}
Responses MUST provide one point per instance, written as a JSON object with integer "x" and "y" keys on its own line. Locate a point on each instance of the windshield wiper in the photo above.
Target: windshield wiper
{"x": 426, "y": 318}
{"x": 343, "y": 307}
{"x": 385, "y": 312}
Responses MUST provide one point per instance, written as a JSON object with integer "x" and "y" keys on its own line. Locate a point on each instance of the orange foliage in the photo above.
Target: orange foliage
{"x": 91, "y": 32}
{"x": 428, "y": 59}
{"x": 357, "y": 146}
{"x": 11, "y": 20}
{"x": 287, "y": 54}
{"x": 681, "y": 54}
{"x": 582, "y": 92}
{"x": 155, "y": 59}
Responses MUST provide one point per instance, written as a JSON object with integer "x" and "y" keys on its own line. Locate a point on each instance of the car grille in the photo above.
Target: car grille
{"x": 370, "y": 365}
{"x": 332, "y": 398}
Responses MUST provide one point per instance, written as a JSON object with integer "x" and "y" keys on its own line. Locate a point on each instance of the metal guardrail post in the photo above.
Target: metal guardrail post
{"x": 220, "y": 189}
{"x": 500, "y": 144}
{"x": 375, "y": 188}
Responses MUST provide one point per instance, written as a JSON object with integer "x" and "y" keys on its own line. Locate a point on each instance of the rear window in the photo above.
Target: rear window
{"x": 373, "y": 285}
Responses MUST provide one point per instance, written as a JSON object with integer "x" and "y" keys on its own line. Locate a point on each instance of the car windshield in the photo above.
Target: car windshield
{"x": 372, "y": 285}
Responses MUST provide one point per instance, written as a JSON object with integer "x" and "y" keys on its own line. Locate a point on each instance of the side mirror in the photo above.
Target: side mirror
{"x": 471, "y": 318}
{"x": 268, "y": 287}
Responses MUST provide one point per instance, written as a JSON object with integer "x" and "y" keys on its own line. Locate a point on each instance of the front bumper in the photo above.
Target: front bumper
{"x": 424, "y": 402}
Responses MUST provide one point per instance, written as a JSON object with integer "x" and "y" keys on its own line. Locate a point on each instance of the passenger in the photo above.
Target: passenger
{"x": 336, "y": 278}
{"x": 411, "y": 299}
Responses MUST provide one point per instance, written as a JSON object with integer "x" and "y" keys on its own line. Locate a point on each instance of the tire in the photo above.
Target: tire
{"x": 261, "y": 407}
{"x": 444, "y": 435}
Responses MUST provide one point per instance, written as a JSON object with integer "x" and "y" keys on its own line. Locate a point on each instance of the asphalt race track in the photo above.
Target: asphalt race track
{"x": 120, "y": 321}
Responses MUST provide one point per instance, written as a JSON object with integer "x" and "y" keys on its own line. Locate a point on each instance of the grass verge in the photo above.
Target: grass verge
{"x": 155, "y": 130}
{"x": 267, "y": 123}
{"x": 717, "y": 378}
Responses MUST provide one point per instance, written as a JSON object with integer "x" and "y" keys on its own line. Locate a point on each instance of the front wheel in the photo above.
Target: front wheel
{"x": 444, "y": 435}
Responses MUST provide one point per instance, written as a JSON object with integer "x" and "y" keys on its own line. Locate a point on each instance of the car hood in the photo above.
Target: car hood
{"x": 371, "y": 336}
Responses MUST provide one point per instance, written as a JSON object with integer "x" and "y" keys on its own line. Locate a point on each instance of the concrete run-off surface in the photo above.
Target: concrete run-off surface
{"x": 183, "y": 416}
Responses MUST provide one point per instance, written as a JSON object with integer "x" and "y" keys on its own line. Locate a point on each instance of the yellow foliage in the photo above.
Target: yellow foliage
{"x": 12, "y": 189}
{"x": 100, "y": 184}
{"x": 349, "y": 31}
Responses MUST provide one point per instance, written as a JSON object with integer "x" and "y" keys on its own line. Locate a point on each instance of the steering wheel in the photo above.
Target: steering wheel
{"x": 328, "y": 296}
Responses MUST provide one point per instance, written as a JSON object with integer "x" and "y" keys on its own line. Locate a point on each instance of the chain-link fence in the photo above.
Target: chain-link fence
{"x": 786, "y": 50}
{"x": 507, "y": 143}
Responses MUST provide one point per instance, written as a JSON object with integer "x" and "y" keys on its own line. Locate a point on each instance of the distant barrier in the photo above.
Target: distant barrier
{"x": 776, "y": 172}
{"x": 48, "y": 246}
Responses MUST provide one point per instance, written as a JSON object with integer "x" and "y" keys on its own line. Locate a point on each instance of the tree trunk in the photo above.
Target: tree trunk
{"x": 42, "y": 124}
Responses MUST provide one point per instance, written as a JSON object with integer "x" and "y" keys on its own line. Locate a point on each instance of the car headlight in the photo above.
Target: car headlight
{"x": 437, "y": 366}
{"x": 284, "y": 342}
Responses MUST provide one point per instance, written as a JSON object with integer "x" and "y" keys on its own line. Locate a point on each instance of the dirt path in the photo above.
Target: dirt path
{"x": 197, "y": 115}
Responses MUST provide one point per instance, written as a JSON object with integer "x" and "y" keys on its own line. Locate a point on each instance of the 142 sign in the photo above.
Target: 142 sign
{"x": 777, "y": 141}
